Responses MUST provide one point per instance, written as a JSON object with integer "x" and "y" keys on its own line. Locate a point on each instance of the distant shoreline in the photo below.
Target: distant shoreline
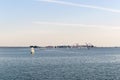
{"x": 49, "y": 47}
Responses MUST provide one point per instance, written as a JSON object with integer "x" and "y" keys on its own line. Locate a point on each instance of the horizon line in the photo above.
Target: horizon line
{"x": 46, "y": 46}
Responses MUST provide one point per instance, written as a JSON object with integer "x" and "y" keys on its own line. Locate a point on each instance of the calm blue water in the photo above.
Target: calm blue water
{"x": 60, "y": 64}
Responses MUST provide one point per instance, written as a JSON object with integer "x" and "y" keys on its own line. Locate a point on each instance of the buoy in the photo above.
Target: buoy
{"x": 32, "y": 50}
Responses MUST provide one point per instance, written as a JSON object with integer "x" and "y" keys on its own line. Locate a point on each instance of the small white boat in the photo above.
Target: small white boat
{"x": 32, "y": 50}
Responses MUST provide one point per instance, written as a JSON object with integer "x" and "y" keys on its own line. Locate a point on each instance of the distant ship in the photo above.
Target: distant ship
{"x": 32, "y": 50}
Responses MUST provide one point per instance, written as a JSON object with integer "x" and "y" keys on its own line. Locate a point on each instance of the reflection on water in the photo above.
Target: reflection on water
{"x": 60, "y": 64}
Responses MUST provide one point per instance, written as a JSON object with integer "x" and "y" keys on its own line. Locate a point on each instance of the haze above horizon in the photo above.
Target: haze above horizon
{"x": 55, "y": 22}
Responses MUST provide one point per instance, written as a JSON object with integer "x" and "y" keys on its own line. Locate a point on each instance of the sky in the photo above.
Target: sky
{"x": 58, "y": 22}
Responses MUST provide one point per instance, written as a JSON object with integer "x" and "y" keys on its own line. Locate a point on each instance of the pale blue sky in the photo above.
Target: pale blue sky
{"x": 55, "y": 22}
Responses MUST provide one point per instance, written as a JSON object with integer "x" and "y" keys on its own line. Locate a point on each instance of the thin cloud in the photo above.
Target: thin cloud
{"x": 74, "y": 25}
{"x": 81, "y": 5}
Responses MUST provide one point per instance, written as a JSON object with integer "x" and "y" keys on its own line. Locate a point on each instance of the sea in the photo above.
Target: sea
{"x": 17, "y": 63}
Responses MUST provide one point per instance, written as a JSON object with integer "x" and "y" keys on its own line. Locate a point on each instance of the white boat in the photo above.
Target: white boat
{"x": 32, "y": 50}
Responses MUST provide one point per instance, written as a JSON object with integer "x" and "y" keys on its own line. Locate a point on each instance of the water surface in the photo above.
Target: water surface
{"x": 60, "y": 64}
